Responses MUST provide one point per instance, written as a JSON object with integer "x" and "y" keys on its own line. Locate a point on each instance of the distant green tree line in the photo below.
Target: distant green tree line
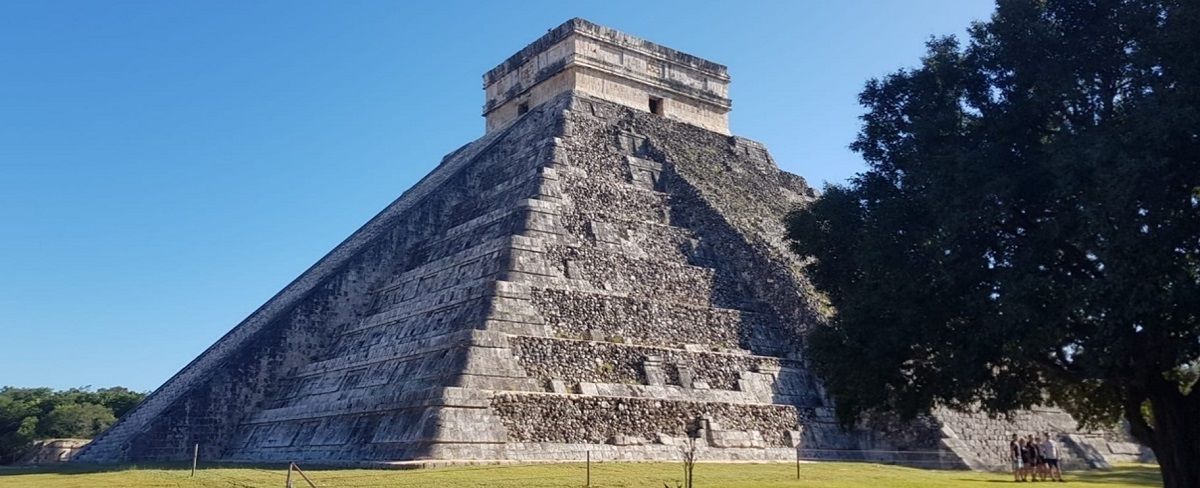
{"x": 27, "y": 414}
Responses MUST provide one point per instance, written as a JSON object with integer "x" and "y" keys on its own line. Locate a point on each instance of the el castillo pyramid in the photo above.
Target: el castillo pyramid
{"x": 604, "y": 270}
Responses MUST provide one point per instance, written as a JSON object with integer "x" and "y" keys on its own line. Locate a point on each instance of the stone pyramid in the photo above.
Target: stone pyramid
{"x": 604, "y": 270}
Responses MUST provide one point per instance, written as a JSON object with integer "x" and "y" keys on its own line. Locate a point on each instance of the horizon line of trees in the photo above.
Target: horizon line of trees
{"x": 29, "y": 414}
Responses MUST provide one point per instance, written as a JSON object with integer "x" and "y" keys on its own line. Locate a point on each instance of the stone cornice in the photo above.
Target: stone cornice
{"x": 577, "y": 60}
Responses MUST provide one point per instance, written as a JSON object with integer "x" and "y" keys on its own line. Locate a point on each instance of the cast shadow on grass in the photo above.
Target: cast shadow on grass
{"x": 1126, "y": 475}
{"x": 1139, "y": 475}
{"x": 62, "y": 469}
{"x": 86, "y": 468}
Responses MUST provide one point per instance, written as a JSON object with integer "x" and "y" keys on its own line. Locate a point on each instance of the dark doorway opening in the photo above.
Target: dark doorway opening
{"x": 656, "y": 105}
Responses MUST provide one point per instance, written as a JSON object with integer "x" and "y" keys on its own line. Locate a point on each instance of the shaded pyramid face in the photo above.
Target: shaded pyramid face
{"x": 590, "y": 275}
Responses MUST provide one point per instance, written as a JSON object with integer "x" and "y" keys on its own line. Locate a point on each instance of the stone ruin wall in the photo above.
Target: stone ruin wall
{"x": 982, "y": 440}
{"x": 606, "y": 362}
{"x": 657, "y": 291}
{"x": 214, "y": 402}
{"x": 387, "y": 313}
{"x": 53, "y": 451}
{"x": 600, "y": 62}
{"x": 584, "y": 227}
{"x": 589, "y": 278}
{"x": 642, "y": 301}
{"x": 590, "y": 419}
{"x": 389, "y": 387}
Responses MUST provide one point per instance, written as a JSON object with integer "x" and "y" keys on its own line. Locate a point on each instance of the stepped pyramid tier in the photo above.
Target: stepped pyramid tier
{"x": 604, "y": 270}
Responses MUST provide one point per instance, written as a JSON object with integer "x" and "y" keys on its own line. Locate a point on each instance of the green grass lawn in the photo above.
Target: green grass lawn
{"x": 822, "y": 475}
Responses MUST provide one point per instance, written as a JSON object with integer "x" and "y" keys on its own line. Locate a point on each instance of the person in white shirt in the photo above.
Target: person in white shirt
{"x": 1050, "y": 454}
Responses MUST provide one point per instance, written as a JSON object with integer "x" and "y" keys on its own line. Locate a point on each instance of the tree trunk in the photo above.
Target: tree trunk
{"x": 1177, "y": 438}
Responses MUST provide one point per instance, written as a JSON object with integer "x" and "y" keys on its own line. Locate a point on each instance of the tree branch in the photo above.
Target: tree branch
{"x": 1061, "y": 370}
{"x": 1138, "y": 427}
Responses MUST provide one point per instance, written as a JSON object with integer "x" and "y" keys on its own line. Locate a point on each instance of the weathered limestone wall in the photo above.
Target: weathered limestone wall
{"x": 114, "y": 444}
{"x": 376, "y": 334}
{"x": 638, "y": 300}
{"x": 53, "y": 451}
{"x": 210, "y": 412}
{"x": 677, "y": 104}
{"x": 599, "y": 315}
{"x": 655, "y": 292}
{"x": 601, "y": 62}
{"x": 389, "y": 386}
{"x": 594, "y": 278}
{"x": 607, "y": 362}
{"x": 591, "y": 419}
{"x": 982, "y": 441}
{"x": 207, "y": 400}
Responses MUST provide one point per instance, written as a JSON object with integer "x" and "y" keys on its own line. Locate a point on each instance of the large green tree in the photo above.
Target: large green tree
{"x": 77, "y": 420}
{"x": 1028, "y": 229}
{"x": 27, "y": 414}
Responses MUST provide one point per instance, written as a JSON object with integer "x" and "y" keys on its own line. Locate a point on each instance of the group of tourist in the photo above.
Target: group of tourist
{"x": 1034, "y": 458}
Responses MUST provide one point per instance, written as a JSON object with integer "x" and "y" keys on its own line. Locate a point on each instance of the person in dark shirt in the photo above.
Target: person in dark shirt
{"x": 1014, "y": 457}
{"x": 1039, "y": 459}
{"x": 1027, "y": 459}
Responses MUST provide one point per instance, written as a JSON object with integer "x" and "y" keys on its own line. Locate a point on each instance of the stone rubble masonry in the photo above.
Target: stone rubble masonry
{"x": 607, "y": 362}
{"x": 982, "y": 441}
{"x": 587, "y": 276}
{"x": 587, "y": 419}
{"x": 52, "y": 451}
{"x": 617, "y": 317}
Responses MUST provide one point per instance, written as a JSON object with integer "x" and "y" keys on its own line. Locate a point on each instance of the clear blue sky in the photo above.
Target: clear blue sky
{"x": 165, "y": 167}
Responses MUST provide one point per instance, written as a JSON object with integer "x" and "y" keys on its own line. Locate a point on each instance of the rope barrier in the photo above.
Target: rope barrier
{"x": 581, "y": 472}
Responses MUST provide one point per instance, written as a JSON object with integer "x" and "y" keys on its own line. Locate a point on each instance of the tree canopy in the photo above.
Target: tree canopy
{"x": 27, "y": 414}
{"x": 1028, "y": 229}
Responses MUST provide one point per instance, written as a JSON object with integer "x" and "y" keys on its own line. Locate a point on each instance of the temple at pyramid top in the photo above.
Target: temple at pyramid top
{"x": 611, "y": 65}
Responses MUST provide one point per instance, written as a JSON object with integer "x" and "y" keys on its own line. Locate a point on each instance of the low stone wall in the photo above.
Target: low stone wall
{"x": 984, "y": 439}
{"x": 599, "y": 420}
{"x": 51, "y": 451}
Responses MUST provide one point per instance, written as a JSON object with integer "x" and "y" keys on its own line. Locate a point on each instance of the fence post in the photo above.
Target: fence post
{"x": 589, "y": 468}
{"x": 195, "y": 457}
{"x": 797, "y": 462}
{"x": 302, "y": 475}
{"x": 289, "y": 476}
